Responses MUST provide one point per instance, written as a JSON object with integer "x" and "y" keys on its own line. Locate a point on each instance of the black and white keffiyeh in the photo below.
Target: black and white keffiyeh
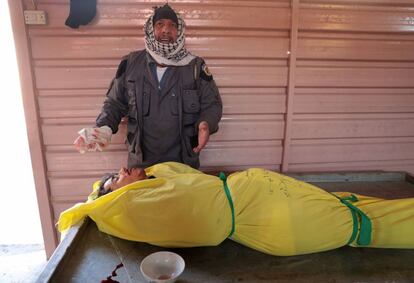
{"x": 169, "y": 54}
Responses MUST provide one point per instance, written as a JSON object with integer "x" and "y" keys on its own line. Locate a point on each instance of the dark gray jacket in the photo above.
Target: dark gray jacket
{"x": 163, "y": 117}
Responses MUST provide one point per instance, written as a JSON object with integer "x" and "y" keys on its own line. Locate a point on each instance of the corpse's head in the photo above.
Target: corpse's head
{"x": 112, "y": 182}
{"x": 165, "y": 23}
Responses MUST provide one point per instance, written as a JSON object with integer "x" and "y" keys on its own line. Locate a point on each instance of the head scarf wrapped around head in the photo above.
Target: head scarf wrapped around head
{"x": 170, "y": 54}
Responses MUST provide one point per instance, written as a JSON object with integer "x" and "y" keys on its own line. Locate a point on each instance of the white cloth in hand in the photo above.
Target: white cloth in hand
{"x": 94, "y": 138}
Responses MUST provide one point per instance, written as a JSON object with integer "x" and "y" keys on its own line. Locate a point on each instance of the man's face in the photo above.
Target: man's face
{"x": 165, "y": 31}
{"x": 125, "y": 177}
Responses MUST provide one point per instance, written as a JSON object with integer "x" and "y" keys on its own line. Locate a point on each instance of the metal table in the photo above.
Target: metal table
{"x": 88, "y": 255}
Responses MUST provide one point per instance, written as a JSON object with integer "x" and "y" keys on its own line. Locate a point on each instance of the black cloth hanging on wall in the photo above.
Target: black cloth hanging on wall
{"x": 81, "y": 12}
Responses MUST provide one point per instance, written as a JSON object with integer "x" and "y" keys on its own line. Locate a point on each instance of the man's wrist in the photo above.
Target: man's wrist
{"x": 107, "y": 129}
{"x": 203, "y": 124}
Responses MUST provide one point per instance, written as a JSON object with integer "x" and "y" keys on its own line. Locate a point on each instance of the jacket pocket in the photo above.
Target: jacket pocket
{"x": 146, "y": 101}
{"x": 190, "y": 139}
{"x": 191, "y": 101}
{"x": 132, "y": 135}
{"x": 191, "y": 107}
{"x": 132, "y": 106}
{"x": 174, "y": 103}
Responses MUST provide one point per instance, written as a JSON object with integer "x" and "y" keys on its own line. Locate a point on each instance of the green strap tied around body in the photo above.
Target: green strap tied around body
{"x": 222, "y": 177}
{"x": 365, "y": 224}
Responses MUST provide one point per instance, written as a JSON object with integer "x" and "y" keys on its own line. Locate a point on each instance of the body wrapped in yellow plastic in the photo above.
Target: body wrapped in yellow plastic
{"x": 273, "y": 213}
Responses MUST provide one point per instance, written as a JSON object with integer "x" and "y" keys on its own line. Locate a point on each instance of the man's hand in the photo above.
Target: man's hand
{"x": 203, "y": 136}
{"x": 92, "y": 139}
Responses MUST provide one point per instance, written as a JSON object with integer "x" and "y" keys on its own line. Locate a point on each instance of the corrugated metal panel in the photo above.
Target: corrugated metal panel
{"x": 354, "y": 92}
{"x": 346, "y": 103}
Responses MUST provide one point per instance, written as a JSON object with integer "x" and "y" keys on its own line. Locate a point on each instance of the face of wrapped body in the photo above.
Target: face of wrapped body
{"x": 124, "y": 177}
{"x": 275, "y": 214}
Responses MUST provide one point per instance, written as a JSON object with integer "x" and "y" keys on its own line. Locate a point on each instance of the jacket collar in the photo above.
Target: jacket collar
{"x": 149, "y": 74}
{"x": 170, "y": 77}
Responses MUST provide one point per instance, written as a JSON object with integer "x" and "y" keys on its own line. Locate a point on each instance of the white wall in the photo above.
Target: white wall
{"x": 19, "y": 216}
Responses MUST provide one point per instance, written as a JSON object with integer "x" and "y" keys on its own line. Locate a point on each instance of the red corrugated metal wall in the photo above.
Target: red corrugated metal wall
{"x": 354, "y": 92}
{"x": 306, "y": 85}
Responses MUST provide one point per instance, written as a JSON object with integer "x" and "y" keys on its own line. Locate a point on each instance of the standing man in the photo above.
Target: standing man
{"x": 169, "y": 96}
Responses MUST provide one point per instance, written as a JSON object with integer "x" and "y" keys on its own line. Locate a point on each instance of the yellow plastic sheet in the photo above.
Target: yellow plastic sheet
{"x": 275, "y": 214}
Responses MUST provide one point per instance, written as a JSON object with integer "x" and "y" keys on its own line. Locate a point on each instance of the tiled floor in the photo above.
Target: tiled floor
{"x": 21, "y": 263}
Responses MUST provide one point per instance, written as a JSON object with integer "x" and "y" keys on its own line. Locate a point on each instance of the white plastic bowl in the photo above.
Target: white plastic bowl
{"x": 162, "y": 267}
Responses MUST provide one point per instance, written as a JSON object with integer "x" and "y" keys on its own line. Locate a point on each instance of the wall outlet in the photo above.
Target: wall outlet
{"x": 35, "y": 17}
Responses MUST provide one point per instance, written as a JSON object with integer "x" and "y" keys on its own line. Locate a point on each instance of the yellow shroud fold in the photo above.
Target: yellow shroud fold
{"x": 275, "y": 214}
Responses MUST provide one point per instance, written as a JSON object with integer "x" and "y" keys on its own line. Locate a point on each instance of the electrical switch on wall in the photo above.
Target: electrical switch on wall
{"x": 35, "y": 17}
